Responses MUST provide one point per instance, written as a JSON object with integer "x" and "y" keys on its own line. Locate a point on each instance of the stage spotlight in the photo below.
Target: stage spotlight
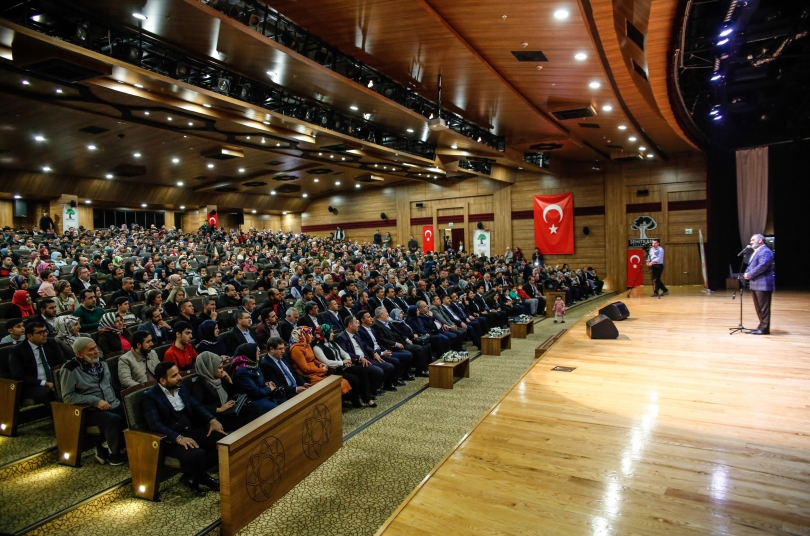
{"x": 182, "y": 69}
{"x": 716, "y": 76}
{"x": 725, "y": 32}
{"x": 223, "y": 85}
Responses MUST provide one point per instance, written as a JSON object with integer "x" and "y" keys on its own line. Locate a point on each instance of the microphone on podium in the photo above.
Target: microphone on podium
{"x": 741, "y": 253}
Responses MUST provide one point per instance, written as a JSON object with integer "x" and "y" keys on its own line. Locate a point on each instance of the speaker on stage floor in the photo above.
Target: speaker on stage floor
{"x": 601, "y": 327}
{"x": 615, "y": 311}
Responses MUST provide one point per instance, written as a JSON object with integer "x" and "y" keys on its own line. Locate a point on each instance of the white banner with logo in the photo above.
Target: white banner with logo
{"x": 70, "y": 217}
{"x": 482, "y": 242}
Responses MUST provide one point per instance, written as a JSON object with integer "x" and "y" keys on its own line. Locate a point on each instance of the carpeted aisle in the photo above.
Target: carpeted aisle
{"x": 356, "y": 490}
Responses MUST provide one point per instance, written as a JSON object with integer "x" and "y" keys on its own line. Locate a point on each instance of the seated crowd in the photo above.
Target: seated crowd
{"x": 259, "y": 317}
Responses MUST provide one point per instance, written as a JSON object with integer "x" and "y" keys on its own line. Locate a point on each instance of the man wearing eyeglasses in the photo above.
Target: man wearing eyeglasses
{"x": 31, "y": 362}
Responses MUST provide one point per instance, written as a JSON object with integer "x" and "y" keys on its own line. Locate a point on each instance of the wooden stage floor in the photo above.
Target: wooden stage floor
{"x": 674, "y": 428}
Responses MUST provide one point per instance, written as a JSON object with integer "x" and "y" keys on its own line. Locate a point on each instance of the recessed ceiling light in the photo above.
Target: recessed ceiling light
{"x": 317, "y": 180}
{"x": 580, "y": 56}
{"x": 120, "y": 81}
{"x": 305, "y": 195}
{"x": 91, "y": 147}
{"x": 139, "y": 86}
{"x": 143, "y": 205}
{"x": 179, "y": 183}
{"x": 266, "y": 122}
{"x": 622, "y": 127}
{"x": 594, "y": 85}
{"x": 331, "y": 156}
{"x": 410, "y": 130}
{"x": 253, "y": 211}
{"x": 108, "y": 176}
{"x": 337, "y": 183}
{"x": 649, "y": 155}
{"x": 182, "y": 207}
{"x": 607, "y": 108}
{"x": 271, "y": 73}
{"x": 206, "y": 105}
{"x": 355, "y": 108}
{"x": 137, "y": 155}
{"x": 263, "y": 140}
{"x": 632, "y": 138}
{"x": 561, "y": 14}
{"x": 320, "y": 154}
{"x": 454, "y": 146}
{"x": 357, "y": 186}
{"x": 210, "y": 166}
{"x": 190, "y": 124}
{"x": 283, "y": 213}
{"x": 175, "y": 160}
{"x": 169, "y": 118}
{"x": 59, "y": 90}
{"x": 46, "y": 169}
{"x": 241, "y": 170}
{"x": 39, "y": 137}
{"x": 642, "y": 148}
{"x": 146, "y": 113}
{"x": 87, "y": 201}
{"x": 272, "y": 192}
{"x": 18, "y": 197}
{"x": 278, "y": 145}
{"x": 343, "y": 158}
{"x": 247, "y": 137}
{"x": 26, "y": 83}
{"x": 139, "y": 16}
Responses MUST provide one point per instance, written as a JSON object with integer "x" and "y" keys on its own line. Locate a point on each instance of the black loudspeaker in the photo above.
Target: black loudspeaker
{"x": 479, "y": 225}
{"x": 601, "y": 327}
{"x": 383, "y": 216}
{"x": 20, "y": 209}
{"x": 73, "y": 203}
{"x": 586, "y": 231}
{"x": 615, "y": 311}
{"x": 420, "y": 205}
{"x": 331, "y": 208}
{"x": 240, "y": 218}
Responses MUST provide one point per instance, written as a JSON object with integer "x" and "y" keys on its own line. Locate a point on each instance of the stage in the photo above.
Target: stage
{"x": 677, "y": 427}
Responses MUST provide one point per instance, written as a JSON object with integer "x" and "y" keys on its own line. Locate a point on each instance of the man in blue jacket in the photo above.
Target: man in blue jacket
{"x": 761, "y": 278}
{"x": 170, "y": 409}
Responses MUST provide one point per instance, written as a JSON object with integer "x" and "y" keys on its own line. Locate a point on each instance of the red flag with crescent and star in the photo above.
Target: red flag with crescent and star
{"x": 554, "y": 224}
{"x": 427, "y": 238}
{"x": 635, "y": 265}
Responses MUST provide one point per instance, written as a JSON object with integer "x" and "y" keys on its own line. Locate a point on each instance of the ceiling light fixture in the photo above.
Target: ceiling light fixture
{"x": 454, "y": 146}
{"x": 722, "y": 41}
{"x": 622, "y": 127}
{"x": 642, "y": 148}
{"x": 410, "y": 130}
{"x": 206, "y": 105}
{"x": 137, "y": 155}
{"x": 561, "y": 14}
{"x": 241, "y": 170}
{"x": 39, "y": 137}
{"x": 632, "y": 138}
{"x": 357, "y": 186}
{"x": 355, "y": 108}
{"x": 179, "y": 183}
{"x": 139, "y": 86}
{"x": 46, "y": 169}
{"x": 91, "y": 147}
{"x": 580, "y": 56}
{"x": 284, "y": 213}
{"x": 607, "y": 108}
{"x": 190, "y": 124}
{"x": 143, "y": 205}
{"x": 182, "y": 207}
{"x": 305, "y": 195}
{"x": 210, "y": 166}
{"x": 146, "y": 113}
{"x": 253, "y": 211}
{"x": 17, "y": 196}
{"x": 649, "y": 155}
{"x": 272, "y": 192}
{"x": 317, "y": 180}
{"x": 87, "y": 201}
{"x": 108, "y": 176}
{"x": 59, "y": 90}
{"x": 169, "y": 118}
{"x": 726, "y": 32}
{"x": 139, "y": 16}
{"x": 271, "y": 73}
{"x": 337, "y": 183}
{"x": 594, "y": 85}
{"x": 26, "y": 83}
{"x": 175, "y": 160}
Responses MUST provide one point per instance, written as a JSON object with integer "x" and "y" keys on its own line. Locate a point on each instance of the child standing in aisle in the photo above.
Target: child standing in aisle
{"x": 559, "y": 309}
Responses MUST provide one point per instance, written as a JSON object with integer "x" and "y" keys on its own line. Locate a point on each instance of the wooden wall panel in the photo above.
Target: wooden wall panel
{"x": 363, "y": 206}
{"x": 6, "y": 213}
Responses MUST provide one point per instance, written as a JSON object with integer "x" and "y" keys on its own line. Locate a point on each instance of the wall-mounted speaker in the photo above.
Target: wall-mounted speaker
{"x": 331, "y": 208}
{"x": 480, "y": 225}
{"x": 383, "y": 216}
{"x": 642, "y": 193}
{"x": 73, "y": 203}
{"x": 615, "y": 311}
{"x": 420, "y": 205}
{"x": 586, "y": 231}
{"x": 601, "y": 327}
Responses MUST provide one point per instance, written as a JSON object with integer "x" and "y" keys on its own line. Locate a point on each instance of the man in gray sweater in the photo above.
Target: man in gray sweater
{"x": 86, "y": 381}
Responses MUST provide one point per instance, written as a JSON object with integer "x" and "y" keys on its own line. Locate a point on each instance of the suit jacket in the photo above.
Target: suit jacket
{"x": 78, "y": 286}
{"x": 373, "y": 303}
{"x": 272, "y": 372}
{"x": 40, "y": 318}
{"x": 760, "y": 270}
{"x": 159, "y": 413}
{"x": 236, "y": 338}
{"x": 340, "y": 235}
{"x": 23, "y": 365}
{"x": 364, "y": 336}
{"x": 164, "y": 334}
{"x": 439, "y": 315}
{"x": 285, "y": 329}
{"x": 121, "y": 293}
{"x": 387, "y": 337}
{"x": 305, "y": 320}
{"x": 327, "y": 317}
{"x": 343, "y": 341}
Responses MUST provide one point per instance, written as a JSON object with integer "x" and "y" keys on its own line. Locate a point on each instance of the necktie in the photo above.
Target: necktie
{"x": 287, "y": 373}
{"x": 45, "y": 365}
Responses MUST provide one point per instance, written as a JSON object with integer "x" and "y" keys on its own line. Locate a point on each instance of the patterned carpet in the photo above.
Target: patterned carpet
{"x": 356, "y": 490}
{"x": 32, "y": 437}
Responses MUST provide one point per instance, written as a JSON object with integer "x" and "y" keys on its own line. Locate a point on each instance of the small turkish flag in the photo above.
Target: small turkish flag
{"x": 427, "y": 238}
{"x": 635, "y": 265}
{"x": 554, "y": 223}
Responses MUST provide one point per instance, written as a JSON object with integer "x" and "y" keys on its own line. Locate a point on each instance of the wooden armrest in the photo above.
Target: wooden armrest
{"x": 10, "y": 401}
{"x": 144, "y": 450}
{"x": 68, "y": 423}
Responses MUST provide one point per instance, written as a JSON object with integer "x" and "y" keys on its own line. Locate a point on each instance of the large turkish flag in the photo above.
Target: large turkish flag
{"x": 635, "y": 265}
{"x": 554, "y": 223}
{"x": 213, "y": 220}
{"x": 427, "y": 238}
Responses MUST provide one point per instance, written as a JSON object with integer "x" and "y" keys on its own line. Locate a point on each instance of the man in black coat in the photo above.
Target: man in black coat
{"x": 392, "y": 340}
{"x": 47, "y": 315}
{"x": 277, "y": 368}
{"x": 31, "y": 362}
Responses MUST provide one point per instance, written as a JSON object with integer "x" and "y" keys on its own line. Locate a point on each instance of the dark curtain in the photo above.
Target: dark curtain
{"x": 789, "y": 169}
{"x": 723, "y": 242}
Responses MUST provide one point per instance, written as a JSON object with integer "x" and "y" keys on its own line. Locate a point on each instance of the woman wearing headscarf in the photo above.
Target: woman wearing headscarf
{"x": 112, "y": 338}
{"x": 248, "y": 378}
{"x": 334, "y": 357}
{"x": 208, "y": 332}
{"x": 214, "y": 389}
{"x": 174, "y": 281}
{"x": 141, "y": 278}
{"x": 20, "y": 305}
{"x": 67, "y": 331}
{"x": 56, "y": 257}
{"x": 303, "y": 358}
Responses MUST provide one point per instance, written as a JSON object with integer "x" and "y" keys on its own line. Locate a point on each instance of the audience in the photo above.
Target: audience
{"x": 182, "y": 352}
{"x": 32, "y": 363}
{"x": 138, "y": 365}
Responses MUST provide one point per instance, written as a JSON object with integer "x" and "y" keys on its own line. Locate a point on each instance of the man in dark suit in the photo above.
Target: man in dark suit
{"x": 277, "y": 368}
{"x": 448, "y": 323}
{"x": 168, "y": 408}
{"x": 32, "y": 361}
{"x": 126, "y": 291}
{"x": 401, "y": 360}
{"x": 458, "y": 318}
{"x": 433, "y": 326}
{"x": 499, "y": 316}
{"x": 330, "y": 316}
{"x": 392, "y": 340}
{"x": 161, "y": 331}
{"x": 340, "y": 235}
{"x": 380, "y": 373}
{"x": 760, "y": 274}
{"x": 376, "y": 300}
{"x": 241, "y": 333}
{"x": 310, "y": 316}
{"x": 82, "y": 280}
{"x": 285, "y": 327}
{"x": 47, "y": 315}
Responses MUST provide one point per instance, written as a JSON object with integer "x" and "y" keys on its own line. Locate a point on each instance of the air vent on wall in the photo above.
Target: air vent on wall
{"x": 223, "y": 153}
{"x": 639, "y": 70}
{"x": 574, "y": 113}
{"x": 284, "y": 178}
{"x": 546, "y": 146}
{"x": 288, "y": 189}
{"x": 319, "y": 171}
{"x": 128, "y": 170}
{"x": 589, "y": 125}
{"x": 529, "y": 55}
{"x": 254, "y": 184}
{"x": 226, "y": 189}
{"x": 635, "y": 35}
{"x": 94, "y": 130}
